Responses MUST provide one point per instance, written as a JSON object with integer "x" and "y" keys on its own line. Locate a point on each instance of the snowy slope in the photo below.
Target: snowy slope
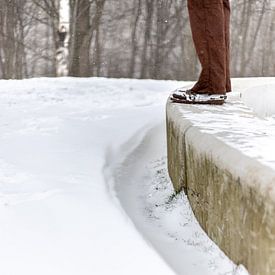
{"x": 56, "y": 214}
{"x": 68, "y": 149}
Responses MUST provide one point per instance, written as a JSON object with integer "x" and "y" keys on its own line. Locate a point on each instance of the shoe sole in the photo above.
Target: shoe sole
{"x": 209, "y": 102}
{"x": 181, "y": 97}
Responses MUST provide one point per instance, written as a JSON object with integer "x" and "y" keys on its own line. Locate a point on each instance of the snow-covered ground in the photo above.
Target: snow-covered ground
{"x": 84, "y": 186}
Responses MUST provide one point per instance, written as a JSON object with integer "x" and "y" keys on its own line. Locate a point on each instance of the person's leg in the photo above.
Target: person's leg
{"x": 226, "y": 6}
{"x": 207, "y": 20}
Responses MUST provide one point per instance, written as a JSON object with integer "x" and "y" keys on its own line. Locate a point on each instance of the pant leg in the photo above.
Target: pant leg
{"x": 207, "y": 20}
{"x": 227, "y": 12}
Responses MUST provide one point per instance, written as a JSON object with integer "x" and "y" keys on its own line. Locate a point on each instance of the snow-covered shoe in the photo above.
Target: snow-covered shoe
{"x": 181, "y": 93}
{"x": 189, "y": 97}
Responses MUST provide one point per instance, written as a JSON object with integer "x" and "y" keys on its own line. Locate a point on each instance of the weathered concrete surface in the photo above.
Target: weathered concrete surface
{"x": 231, "y": 192}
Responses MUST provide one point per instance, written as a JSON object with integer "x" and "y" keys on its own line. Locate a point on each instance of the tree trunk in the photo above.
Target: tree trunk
{"x": 80, "y": 39}
{"x": 9, "y": 44}
{"x": 134, "y": 39}
{"x": 147, "y": 34}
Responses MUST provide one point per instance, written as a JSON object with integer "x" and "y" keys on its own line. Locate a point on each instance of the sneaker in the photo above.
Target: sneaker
{"x": 180, "y": 93}
{"x": 190, "y": 97}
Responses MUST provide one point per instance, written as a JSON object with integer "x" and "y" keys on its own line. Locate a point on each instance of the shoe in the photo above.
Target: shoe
{"x": 181, "y": 93}
{"x": 190, "y": 97}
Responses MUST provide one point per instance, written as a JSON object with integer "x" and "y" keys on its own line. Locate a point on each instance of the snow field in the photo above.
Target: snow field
{"x": 78, "y": 157}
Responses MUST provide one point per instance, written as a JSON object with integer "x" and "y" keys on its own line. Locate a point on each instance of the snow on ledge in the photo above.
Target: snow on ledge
{"x": 261, "y": 99}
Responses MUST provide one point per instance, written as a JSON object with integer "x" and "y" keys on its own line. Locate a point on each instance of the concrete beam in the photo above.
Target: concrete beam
{"x": 231, "y": 192}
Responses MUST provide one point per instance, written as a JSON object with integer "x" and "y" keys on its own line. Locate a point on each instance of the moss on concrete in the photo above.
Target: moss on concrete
{"x": 175, "y": 140}
{"x": 232, "y": 215}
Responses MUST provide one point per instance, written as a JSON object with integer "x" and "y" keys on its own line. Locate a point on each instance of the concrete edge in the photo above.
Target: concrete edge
{"x": 250, "y": 171}
{"x": 235, "y": 202}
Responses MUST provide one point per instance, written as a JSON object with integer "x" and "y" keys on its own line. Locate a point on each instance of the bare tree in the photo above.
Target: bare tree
{"x": 84, "y": 24}
{"x": 11, "y": 30}
{"x": 133, "y": 38}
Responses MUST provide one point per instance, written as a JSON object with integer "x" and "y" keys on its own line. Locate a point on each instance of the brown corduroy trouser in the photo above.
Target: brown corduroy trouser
{"x": 210, "y": 20}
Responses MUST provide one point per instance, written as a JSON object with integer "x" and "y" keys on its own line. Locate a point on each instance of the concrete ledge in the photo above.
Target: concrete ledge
{"x": 231, "y": 192}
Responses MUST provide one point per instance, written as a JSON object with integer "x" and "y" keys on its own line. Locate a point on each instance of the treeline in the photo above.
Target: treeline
{"x": 27, "y": 38}
{"x": 133, "y": 38}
